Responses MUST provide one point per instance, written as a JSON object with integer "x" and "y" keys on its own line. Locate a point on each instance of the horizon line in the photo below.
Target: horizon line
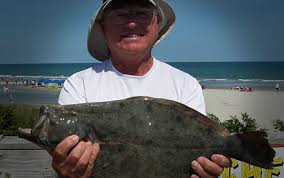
{"x": 163, "y": 61}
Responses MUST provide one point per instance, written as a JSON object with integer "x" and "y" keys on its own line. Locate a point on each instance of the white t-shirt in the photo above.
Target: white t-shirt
{"x": 103, "y": 82}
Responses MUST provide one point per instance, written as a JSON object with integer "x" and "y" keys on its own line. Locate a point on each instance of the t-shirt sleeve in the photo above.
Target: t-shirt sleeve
{"x": 72, "y": 91}
{"x": 192, "y": 96}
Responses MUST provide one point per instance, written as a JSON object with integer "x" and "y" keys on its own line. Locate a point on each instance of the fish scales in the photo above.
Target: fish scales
{"x": 134, "y": 122}
{"x": 145, "y": 137}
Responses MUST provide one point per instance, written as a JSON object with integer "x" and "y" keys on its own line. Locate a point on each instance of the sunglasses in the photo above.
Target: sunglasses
{"x": 122, "y": 16}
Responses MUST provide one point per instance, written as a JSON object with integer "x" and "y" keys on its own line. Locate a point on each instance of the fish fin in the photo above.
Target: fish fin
{"x": 253, "y": 147}
{"x": 90, "y": 135}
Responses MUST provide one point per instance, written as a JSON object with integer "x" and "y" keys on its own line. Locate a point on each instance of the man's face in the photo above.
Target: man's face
{"x": 130, "y": 28}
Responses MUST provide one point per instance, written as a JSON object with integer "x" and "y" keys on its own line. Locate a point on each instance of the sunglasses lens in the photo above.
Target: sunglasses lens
{"x": 123, "y": 16}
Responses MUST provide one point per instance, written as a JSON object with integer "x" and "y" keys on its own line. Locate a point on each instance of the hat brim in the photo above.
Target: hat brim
{"x": 96, "y": 42}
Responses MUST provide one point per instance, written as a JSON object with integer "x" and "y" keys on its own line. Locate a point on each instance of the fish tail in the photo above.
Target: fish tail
{"x": 251, "y": 147}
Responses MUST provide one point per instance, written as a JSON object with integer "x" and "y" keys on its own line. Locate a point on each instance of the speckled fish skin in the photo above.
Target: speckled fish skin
{"x": 145, "y": 137}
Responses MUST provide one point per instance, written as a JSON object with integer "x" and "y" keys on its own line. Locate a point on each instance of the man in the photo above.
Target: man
{"x": 5, "y": 89}
{"x": 122, "y": 35}
{"x": 277, "y": 86}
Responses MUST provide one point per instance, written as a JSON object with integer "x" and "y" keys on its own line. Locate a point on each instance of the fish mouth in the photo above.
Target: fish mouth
{"x": 31, "y": 133}
{"x": 26, "y": 133}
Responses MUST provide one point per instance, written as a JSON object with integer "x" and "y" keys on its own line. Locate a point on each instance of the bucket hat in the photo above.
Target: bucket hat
{"x": 96, "y": 42}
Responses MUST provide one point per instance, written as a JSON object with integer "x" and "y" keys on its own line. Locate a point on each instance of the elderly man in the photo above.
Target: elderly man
{"x": 122, "y": 35}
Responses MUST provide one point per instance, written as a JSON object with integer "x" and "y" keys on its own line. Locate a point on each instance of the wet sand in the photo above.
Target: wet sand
{"x": 28, "y": 95}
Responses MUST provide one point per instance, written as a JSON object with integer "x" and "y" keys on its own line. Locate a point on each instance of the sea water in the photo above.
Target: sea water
{"x": 262, "y": 75}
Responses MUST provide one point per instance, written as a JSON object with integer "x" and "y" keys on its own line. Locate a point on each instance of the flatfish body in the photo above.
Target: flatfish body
{"x": 145, "y": 137}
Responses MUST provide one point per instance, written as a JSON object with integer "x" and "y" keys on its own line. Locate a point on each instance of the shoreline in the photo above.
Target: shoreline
{"x": 210, "y": 83}
{"x": 261, "y": 104}
{"x": 21, "y": 94}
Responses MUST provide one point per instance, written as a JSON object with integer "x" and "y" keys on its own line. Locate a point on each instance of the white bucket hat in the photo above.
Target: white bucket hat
{"x": 97, "y": 46}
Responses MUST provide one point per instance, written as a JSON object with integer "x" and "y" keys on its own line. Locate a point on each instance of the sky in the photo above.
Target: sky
{"x": 55, "y": 31}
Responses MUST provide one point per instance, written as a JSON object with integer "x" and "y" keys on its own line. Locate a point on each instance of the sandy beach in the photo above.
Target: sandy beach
{"x": 28, "y": 95}
{"x": 262, "y": 105}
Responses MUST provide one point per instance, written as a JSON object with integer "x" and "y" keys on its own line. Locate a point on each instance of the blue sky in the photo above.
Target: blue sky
{"x": 36, "y": 31}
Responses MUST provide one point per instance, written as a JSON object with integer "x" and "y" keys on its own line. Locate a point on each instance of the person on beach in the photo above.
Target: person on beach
{"x": 122, "y": 36}
{"x": 7, "y": 92}
{"x": 277, "y": 87}
{"x": 5, "y": 89}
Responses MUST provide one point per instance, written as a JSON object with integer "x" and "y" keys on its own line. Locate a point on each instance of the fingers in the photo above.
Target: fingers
{"x": 72, "y": 159}
{"x": 205, "y": 168}
{"x": 75, "y": 155}
{"x": 194, "y": 176}
{"x": 95, "y": 151}
{"x": 82, "y": 164}
{"x": 221, "y": 160}
{"x": 63, "y": 148}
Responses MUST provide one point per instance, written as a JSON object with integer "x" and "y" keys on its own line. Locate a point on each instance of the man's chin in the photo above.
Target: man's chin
{"x": 134, "y": 49}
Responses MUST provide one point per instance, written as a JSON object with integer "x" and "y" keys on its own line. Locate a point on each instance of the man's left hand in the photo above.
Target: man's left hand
{"x": 205, "y": 168}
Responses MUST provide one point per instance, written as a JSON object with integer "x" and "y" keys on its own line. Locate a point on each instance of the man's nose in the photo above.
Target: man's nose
{"x": 131, "y": 23}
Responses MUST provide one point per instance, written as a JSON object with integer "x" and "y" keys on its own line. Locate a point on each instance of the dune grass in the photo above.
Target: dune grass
{"x": 14, "y": 116}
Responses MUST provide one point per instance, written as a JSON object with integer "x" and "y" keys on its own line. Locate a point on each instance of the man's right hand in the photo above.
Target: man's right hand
{"x": 72, "y": 159}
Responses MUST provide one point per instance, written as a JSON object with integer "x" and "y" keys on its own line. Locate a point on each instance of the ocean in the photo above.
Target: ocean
{"x": 261, "y": 75}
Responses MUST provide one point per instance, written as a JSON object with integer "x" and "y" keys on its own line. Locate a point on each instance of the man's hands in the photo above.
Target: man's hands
{"x": 205, "y": 168}
{"x": 72, "y": 159}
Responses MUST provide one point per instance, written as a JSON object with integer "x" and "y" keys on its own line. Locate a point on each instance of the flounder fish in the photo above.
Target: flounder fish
{"x": 145, "y": 137}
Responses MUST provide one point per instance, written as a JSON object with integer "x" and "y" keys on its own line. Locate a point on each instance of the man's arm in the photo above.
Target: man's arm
{"x": 204, "y": 168}
{"x": 71, "y": 158}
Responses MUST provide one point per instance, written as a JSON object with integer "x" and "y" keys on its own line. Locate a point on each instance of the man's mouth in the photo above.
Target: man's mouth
{"x": 131, "y": 35}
